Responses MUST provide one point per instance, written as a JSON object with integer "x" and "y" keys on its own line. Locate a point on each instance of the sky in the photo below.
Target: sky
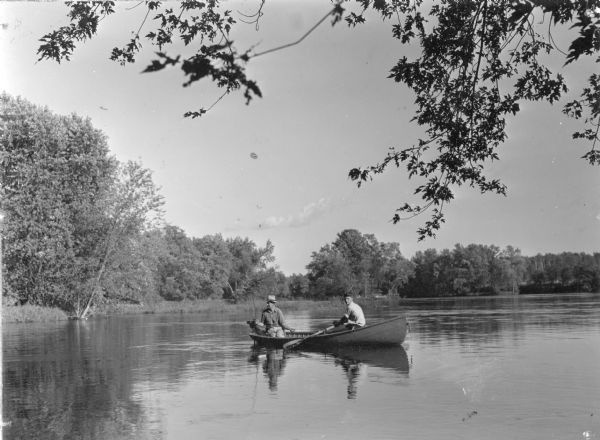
{"x": 277, "y": 169}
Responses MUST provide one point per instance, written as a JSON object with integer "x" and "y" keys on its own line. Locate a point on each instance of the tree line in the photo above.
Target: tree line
{"x": 82, "y": 228}
{"x": 358, "y": 263}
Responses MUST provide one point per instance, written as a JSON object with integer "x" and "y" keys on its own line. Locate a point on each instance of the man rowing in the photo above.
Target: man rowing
{"x": 354, "y": 316}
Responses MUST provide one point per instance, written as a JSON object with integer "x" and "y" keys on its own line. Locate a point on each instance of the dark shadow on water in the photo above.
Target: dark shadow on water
{"x": 353, "y": 361}
{"x": 393, "y": 358}
{"x": 272, "y": 361}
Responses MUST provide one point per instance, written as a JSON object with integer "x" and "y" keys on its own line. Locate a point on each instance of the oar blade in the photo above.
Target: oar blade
{"x": 292, "y": 344}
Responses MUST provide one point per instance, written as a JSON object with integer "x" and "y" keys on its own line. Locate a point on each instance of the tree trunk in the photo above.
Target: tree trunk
{"x": 96, "y": 285}
{"x": 94, "y": 290}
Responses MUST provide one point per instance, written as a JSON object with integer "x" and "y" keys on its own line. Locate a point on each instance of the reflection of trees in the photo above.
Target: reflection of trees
{"x": 488, "y": 320}
{"x": 67, "y": 388}
{"x": 82, "y": 379}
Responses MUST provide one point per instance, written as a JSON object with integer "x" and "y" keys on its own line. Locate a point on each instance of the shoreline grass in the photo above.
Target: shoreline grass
{"x": 29, "y": 313}
{"x": 253, "y": 308}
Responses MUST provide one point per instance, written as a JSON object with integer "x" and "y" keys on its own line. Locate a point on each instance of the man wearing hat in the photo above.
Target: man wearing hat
{"x": 273, "y": 320}
{"x": 354, "y": 316}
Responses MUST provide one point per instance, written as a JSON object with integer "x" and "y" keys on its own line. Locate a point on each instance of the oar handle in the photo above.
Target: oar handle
{"x": 297, "y": 342}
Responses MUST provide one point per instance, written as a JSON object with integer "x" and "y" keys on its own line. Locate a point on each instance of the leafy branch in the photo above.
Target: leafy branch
{"x": 479, "y": 60}
{"x": 457, "y": 81}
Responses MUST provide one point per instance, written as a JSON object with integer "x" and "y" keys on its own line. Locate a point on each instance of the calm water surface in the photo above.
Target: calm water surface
{"x": 486, "y": 368}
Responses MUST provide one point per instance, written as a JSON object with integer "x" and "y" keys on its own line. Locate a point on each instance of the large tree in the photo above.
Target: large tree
{"x": 180, "y": 268}
{"x": 329, "y": 273}
{"x": 129, "y": 207}
{"x": 466, "y": 270}
{"x": 249, "y": 262}
{"x": 479, "y": 60}
{"x": 216, "y": 261}
{"x": 357, "y": 263}
{"x": 53, "y": 171}
{"x": 73, "y": 213}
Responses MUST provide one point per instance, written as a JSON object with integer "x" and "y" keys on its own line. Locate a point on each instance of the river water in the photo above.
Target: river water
{"x": 522, "y": 367}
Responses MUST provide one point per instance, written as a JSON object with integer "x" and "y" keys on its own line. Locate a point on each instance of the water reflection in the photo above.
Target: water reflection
{"x": 187, "y": 376}
{"x": 356, "y": 373}
{"x": 87, "y": 379}
{"x": 272, "y": 361}
{"x": 354, "y": 362}
{"x": 392, "y": 358}
{"x": 63, "y": 387}
{"x": 489, "y": 320}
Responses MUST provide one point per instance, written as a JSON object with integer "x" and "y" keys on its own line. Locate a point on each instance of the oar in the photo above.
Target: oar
{"x": 297, "y": 342}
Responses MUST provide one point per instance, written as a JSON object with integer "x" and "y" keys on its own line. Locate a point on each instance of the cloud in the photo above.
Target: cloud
{"x": 309, "y": 213}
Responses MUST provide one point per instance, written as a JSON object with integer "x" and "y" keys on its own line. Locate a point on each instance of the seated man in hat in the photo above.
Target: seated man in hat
{"x": 354, "y": 316}
{"x": 272, "y": 319}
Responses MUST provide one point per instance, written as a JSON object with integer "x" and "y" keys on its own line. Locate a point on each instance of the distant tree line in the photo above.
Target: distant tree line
{"x": 564, "y": 272}
{"x": 82, "y": 228}
{"x": 210, "y": 267}
{"x": 359, "y": 263}
{"x": 481, "y": 269}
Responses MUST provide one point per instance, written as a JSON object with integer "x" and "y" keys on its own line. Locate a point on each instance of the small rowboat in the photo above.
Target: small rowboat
{"x": 388, "y": 332}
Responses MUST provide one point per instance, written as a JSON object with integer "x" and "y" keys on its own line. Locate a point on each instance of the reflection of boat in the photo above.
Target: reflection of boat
{"x": 273, "y": 364}
{"x": 388, "y": 332}
{"x": 355, "y": 361}
{"x": 393, "y": 358}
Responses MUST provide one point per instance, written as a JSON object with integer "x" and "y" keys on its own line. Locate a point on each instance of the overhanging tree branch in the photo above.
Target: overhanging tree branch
{"x": 456, "y": 79}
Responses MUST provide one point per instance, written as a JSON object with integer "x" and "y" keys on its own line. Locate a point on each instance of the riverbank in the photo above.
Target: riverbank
{"x": 29, "y": 313}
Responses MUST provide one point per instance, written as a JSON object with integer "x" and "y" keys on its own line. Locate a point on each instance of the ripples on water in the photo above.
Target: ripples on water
{"x": 471, "y": 368}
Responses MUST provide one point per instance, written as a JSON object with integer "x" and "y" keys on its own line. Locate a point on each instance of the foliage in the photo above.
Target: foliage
{"x": 270, "y": 282}
{"x": 471, "y": 270}
{"x": 31, "y": 313}
{"x": 73, "y": 213}
{"x": 357, "y": 263}
{"x": 564, "y": 272}
{"x": 134, "y": 279}
{"x": 132, "y": 205}
{"x": 298, "y": 285}
{"x": 179, "y": 267}
{"x": 217, "y": 262}
{"x": 210, "y": 267}
{"x": 479, "y": 61}
{"x": 53, "y": 171}
{"x": 248, "y": 264}
{"x": 480, "y": 269}
{"x": 81, "y": 229}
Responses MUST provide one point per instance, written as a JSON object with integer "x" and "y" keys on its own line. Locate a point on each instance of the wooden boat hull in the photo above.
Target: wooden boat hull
{"x": 388, "y": 332}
